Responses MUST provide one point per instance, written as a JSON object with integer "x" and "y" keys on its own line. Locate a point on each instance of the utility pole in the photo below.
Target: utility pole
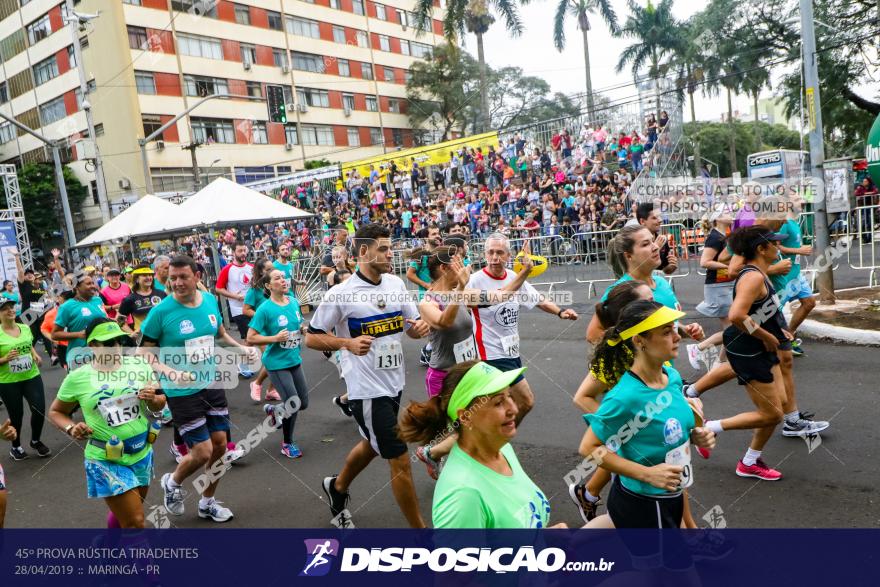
{"x": 197, "y": 180}
{"x": 825, "y": 277}
{"x": 74, "y": 21}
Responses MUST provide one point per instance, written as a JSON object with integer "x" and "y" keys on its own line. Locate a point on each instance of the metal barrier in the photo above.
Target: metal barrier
{"x": 863, "y": 230}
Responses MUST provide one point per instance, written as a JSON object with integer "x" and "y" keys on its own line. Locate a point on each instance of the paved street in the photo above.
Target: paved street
{"x": 835, "y": 485}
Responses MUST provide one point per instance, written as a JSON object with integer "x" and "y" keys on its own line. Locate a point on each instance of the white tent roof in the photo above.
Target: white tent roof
{"x": 134, "y": 220}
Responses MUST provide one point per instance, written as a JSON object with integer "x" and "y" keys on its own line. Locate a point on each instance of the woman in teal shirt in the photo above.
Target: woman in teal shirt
{"x": 9, "y": 293}
{"x": 254, "y": 297}
{"x": 278, "y": 324}
{"x": 73, "y": 317}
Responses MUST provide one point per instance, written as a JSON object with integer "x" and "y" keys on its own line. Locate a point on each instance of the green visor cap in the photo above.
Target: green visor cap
{"x": 481, "y": 379}
{"x": 106, "y": 331}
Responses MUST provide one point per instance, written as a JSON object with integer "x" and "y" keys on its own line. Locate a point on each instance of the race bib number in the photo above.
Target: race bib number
{"x": 200, "y": 349}
{"x": 120, "y": 410}
{"x": 21, "y": 364}
{"x": 294, "y": 339}
{"x": 681, "y": 456}
{"x": 510, "y": 344}
{"x": 464, "y": 350}
{"x": 388, "y": 355}
{"x": 38, "y": 307}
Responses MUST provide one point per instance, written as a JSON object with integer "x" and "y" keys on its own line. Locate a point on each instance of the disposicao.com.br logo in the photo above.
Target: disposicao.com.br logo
{"x": 441, "y": 560}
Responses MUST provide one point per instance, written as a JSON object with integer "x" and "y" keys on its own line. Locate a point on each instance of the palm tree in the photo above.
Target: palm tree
{"x": 472, "y": 16}
{"x": 581, "y": 10}
{"x": 657, "y": 34}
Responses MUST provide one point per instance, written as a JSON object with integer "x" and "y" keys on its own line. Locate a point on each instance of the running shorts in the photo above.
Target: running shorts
{"x": 106, "y": 478}
{"x": 242, "y": 322}
{"x": 434, "y": 381}
{"x": 377, "y": 420}
{"x": 507, "y": 364}
{"x": 196, "y": 416}
{"x": 796, "y": 289}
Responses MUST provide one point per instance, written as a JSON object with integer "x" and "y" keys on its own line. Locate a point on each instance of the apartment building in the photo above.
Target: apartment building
{"x": 342, "y": 66}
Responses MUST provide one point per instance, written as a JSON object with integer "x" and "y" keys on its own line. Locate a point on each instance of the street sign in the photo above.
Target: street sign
{"x": 872, "y": 151}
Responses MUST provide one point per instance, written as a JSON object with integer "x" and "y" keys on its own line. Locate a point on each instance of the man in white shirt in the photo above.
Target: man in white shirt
{"x": 496, "y": 328}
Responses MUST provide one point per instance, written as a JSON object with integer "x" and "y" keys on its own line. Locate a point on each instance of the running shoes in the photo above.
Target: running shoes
{"x": 759, "y": 470}
{"x": 272, "y": 396}
{"x": 256, "y": 391}
{"x": 803, "y": 426}
{"x": 215, "y": 511}
{"x": 174, "y": 496}
{"x": 343, "y": 406}
{"x": 291, "y": 451}
{"x": 425, "y": 356}
{"x": 17, "y": 453}
{"x": 423, "y": 454}
{"x": 578, "y": 494}
{"x": 338, "y": 504}
{"x": 43, "y": 451}
{"x": 796, "y": 348}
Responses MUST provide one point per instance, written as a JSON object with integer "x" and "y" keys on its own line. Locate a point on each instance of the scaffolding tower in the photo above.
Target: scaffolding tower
{"x": 14, "y": 212}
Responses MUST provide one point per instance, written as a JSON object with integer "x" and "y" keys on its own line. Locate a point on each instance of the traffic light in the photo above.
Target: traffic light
{"x": 275, "y": 101}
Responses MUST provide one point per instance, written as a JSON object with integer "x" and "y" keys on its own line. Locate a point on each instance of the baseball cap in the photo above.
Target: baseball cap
{"x": 106, "y": 331}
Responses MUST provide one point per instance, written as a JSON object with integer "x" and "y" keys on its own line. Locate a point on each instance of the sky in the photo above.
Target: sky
{"x": 535, "y": 53}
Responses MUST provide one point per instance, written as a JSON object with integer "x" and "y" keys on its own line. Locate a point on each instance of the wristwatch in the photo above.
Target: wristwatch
{"x": 559, "y": 313}
{"x": 68, "y": 428}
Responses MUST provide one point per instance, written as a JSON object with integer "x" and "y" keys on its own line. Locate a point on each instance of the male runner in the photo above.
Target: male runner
{"x": 370, "y": 312}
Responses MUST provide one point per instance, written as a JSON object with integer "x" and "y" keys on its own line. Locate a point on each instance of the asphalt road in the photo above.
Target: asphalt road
{"x": 834, "y": 485}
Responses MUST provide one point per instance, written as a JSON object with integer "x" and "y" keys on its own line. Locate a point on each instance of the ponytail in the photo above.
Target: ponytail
{"x": 608, "y": 311}
{"x": 619, "y": 246}
{"x": 427, "y": 422}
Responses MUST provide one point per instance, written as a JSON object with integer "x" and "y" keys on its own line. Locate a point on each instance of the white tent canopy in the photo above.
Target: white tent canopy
{"x": 134, "y": 220}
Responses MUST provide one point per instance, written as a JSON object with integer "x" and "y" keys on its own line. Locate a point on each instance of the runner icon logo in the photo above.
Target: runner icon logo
{"x": 319, "y": 556}
{"x": 672, "y": 432}
{"x": 507, "y": 315}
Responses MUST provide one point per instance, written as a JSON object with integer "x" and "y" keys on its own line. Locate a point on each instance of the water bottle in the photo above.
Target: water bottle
{"x": 153, "y": 434}
{"x": 113, "y": 448}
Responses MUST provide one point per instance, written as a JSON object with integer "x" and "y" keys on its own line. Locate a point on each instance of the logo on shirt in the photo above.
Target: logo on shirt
{"x": 282, "y": 320}
{"x": 186, "y": 327}
{"x": 672, "y": 431}
{"x": 213, "y": 320}
{"x": 86, "y": 312}
{"x": 155, "y": 300}
{"x": 507, "y": 315}
{"x": 379, "y": 325}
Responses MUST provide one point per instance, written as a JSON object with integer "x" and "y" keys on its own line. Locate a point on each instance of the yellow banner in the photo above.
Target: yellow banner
{"x": 811, "y": 108}
{"x": 427, "y": 155}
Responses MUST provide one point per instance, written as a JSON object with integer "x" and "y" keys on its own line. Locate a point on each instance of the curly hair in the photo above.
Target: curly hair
{"x": 609, "y": 363}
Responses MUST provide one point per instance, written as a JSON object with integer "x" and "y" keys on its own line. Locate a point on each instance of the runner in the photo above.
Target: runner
{"x": 277, "y": 325}
{"x": 7, "y": 432}
{"x": 283, "y": 264}
{"x": 255, "y": 296}
{"x": 418, "y": 273}
{"x": 114, "y": 292}
{"x": 20, "y": 380}
{"x": 232, "y": 284}
{"x": 482, "y": 484}
{"x": 114, "y": 392}
{"x": 370, "y": 312}
{"x": 59, "y": 350}
{"x": 73, "y": 317}
{"x": 496, "y": 327}
{"x": 9, "y": 293}
{"x": 794, "y": 286}
{"x": 141, "y": 300}
{"x": 649, "y": 218}
{"x": 191, "y": 319}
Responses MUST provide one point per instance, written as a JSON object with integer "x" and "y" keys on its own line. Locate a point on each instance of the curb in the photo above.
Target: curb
{"x": 822, "y": 331}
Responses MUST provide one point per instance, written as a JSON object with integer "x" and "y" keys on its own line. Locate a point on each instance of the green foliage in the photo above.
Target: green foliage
{"x": 317, "y": 163}
{"x": 39, "y": 197}
{"x": 714, "y": 140}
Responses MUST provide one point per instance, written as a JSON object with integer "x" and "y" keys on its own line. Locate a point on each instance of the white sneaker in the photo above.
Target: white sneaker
{"x": 695, "y": 356}
{"x": 173, "y": 496}
{"x": 235, "y": 454}
{"x": 215, "y": 512}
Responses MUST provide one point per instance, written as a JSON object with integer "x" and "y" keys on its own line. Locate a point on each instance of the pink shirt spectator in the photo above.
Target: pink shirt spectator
{"x": 114, "y": 297}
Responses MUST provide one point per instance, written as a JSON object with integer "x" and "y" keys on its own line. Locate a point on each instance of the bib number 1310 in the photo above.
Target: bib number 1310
{"x": 389, "y": 355}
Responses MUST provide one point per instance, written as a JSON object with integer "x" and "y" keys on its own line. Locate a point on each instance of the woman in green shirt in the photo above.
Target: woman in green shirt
{"x": 482, "y": 484}
{"x": 20, "y": 380}
{"x": 114, "y": 392}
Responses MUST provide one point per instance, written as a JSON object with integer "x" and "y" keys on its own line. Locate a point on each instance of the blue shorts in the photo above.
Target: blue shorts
{"x": 796, "y": 289}
{"x": 197, "y": 415}
{"x": 106, "y": 478}
{"x": 506, "y": 364}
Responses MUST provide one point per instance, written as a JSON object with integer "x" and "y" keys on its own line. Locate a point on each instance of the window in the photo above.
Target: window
{"x": 317, "y": 98}
{"x": 4, "y": 93}
{"x": 306, "y": 62}
{"x": 372, "y": 104}
{"x": 145, "y": 82}
{"x": 279, "y": 57}
{"x": 132, "y": 2}
{"x": 45, "y": 70}
{"x": 362, "y": 39}
{"x": 39, "y": 30}
{"x": 52, "y": 111}
{"x": 274, "y": 20}
{"x": 407, "y": 75}
{"x": 99, "y": 129}
{"x": 255, "y": 89}
{"x": 394, "y": 106}
{"x": 151, "y": 123}
{"x": 288, "y": 94}
{"x": 389, "y": 74}
{"x": 196, "y": 46}
{"x": 258, "y": 133}
{"x": 366, "y": 71}
{"x": 358, "y": 7}
{"x": 402, "y": 17}
{"x": 344, "y": 69}
{"x": 384, "y": 43}
{"x": 290, "y": 136}
{"x": 375, "y": 136}
{"x": 380, "y": 12}
{"x": 71, "y": 56}
{"x": 397, "y": 136}
{"x": 7, "y": 133}
{"x": 348, "y": 101}
{"x": 404, "y": 47}
{"x": 354, "y": 137}
{"x": 213, "y": 130}
{"x": 248, "y": 54}
{"x": 339, "y": 34}
{"x": 195, "y": 7}
{"x": 242, "y": 14}
{"x": 137, "y": 37}
{"x": 172, "y": 179}
{"x": 204, "y": 86}
{"x": 303, "y": 27}
{"x": 334, "y": 4}
{"x": 420, "y": 50}
{"x": 318, "y": 135}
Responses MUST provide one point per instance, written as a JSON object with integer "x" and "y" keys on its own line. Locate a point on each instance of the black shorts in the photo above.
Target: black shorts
{"x": 196, "y": 416}
{"x": 650, "y": 550}
{"x": 506, "y": 364}
{"x": 377, "y": 421}
{"x": 242, "y": 322}
{"x": 749, "y": 359}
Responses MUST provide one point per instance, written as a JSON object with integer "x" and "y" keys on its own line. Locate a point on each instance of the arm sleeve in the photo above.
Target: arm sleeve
{"x": 612, "y": 414}
{"x": 461, "y": 508}
{"x": 223, "y": 278}
{"x": 328, "y": 314}
{"x": 258, "y": 321}
{"x": 61, "y": 318}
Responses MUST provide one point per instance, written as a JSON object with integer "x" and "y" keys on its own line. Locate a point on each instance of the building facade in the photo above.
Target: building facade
{"x": 342, "y": 66}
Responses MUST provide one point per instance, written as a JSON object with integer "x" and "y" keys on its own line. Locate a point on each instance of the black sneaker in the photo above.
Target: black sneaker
{"x": 43, "y": 451}
{"x": 338, "y": 500}
{"x": 343, "y": 406}
{"x": 588, "y": 509}
{"x": 17, "y": 453}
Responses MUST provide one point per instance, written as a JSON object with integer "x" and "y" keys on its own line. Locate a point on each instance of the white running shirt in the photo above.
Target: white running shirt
{"x": 496, "y": 328}
{"x": 357, "y": 307}
{"x": 236, "y": 279}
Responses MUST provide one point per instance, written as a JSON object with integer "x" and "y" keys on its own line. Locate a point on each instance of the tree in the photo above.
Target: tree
{"x": 472, "y": 16}
{"x": 317, "y": 163}
{"x": 657, "y": 36}
{"x": 39, "y": 196}
{"x": 714, "y": 141}
{"x": 581, "y": 10}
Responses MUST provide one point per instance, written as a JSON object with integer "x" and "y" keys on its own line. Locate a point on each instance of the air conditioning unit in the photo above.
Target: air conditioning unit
{"x": 160, "y": 145}
{"x": 285, "y": 68}
{"x": 346, "y": 111}
{"x": 288, "y": 146}
{"x": 125, "y": 183}
{"x": 290, "y": 107}
{"x": 247, "y": 65}
{"x": 302, "y": 107}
